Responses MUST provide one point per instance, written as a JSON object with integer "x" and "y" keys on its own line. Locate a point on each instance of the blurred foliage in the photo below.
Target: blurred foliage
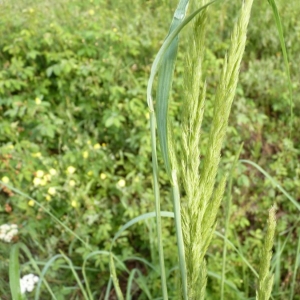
{"x": 74, "y": 132}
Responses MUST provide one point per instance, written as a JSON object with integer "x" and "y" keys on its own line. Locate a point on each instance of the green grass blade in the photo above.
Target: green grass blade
{"x": 108, "y": 289}
{"x": 162, "y": 128}
{"x": 46, "y": 268}
{"x": 285, "y": 55}
{"x": 237, "y": 251}
{"x": 82, "y": 289}
{"x": 14, "y": 273}
{"x": 129, "y": 283}
{"x": 113, "y": 277}
{"x": 25, "y": 249}
{"x": 296, "y": 266}
{"x": 42, "y": 275}
{"x": 163, "y": 49}
{"x": 140, "y": 281}
{"x": 165, "y": 76}
{"x": 280, "y": 250}
{"x": 107, "y": 253}
{"x": 157, "y": 206}
{"x": 273, "y": 181}
{"x": 144, "y": 261}
{"x": 138, "y": 219}
{"x": 142, "y": 217}
{"x": 228, "y": 283}
{"x": 83, "y": 269}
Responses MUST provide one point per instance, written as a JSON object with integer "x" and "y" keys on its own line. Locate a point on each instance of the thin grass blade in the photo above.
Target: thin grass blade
{"x": 238, "y": 252}
{"x": 228, "y": 283}
{"x": 273, "y": 181}
{"x": 285, "y": 55}
{"x": 42, "y": 275}
{"x": 14, "y": 273}
{"x": 88, "y": 288}
{"x": 157, "y": 64}
{"x": 165, "y": 78}
{"x": 25, "y": 249}
{"x": 296, "y": 266}
{"x": 129, "y": 284}
{"x": 157, "y": 206}
{"x": 142, "y": 217}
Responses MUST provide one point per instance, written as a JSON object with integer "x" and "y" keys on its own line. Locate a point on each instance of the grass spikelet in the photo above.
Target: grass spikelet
{"x": 265, "y": 278}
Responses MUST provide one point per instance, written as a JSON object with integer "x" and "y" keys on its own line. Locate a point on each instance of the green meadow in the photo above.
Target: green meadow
{"x": 149, "y": 150}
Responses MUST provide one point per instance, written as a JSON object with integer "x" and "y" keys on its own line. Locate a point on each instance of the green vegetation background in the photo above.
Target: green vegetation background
{"x": 73, "y": 81}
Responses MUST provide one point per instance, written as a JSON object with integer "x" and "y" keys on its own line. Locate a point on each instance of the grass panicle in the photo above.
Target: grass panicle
{"x": 265, "y": 278}
{"x": 193, "y": 111}
{"x": 164, "y": 62}
{"x": 201, "y": 202}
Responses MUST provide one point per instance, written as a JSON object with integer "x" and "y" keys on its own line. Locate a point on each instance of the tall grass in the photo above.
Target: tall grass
{"x": 199, "y": 207}
{"x": 197, "y": 195}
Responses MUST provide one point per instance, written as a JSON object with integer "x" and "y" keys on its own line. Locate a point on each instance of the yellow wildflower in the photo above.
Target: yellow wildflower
{"x": 90, "y": 173}
{"x": 48, "y": 198}
{"x": 121, "y": 183}
{"x": 103, "y": 176}
{"x": 72, "y": 183}
{"x": 43, "y": 182}
{"x": 38, "y": 101}
{"x": 91, "y": 12}
{"x": 5, "y": 179}
{"x": 37, "y": 154}
{"x": 47, "y": 177}
{"x": 39, "y": 173}
{"x": 97, "y": 146}
{"x": 52, "y": 191}
{"x": 85, "y": 154}
{"x": 31, "y": 203}
{"x": 37, "y": 181}
{"x": 71, "y": 170}
{"x": 74, "y": 203}
{"x": 53, "y": 172}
